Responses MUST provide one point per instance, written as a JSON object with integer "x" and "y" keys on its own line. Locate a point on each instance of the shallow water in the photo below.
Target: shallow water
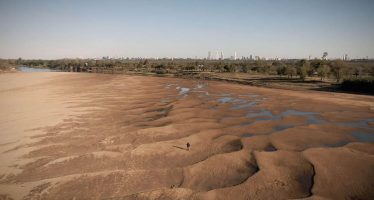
{"x": 225, "y": 99}
{"x": 29, "y": 69}
{"x": 264, "y": 114}
{"x": 338, "y": 144}
{"x": 244, "y": 106}
{"x": 252, "y": 104}
{"x": 270, "y": 148}
{"x": 363, "y": 137}
{"x": 247, "y": 135}
{"x": 358, "y": 124}
{"x": 282, "y": 127}
{"x": 238, "y": 103}
{"x": 183, "y": 91}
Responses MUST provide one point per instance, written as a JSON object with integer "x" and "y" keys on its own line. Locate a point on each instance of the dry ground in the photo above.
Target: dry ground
{"x": 97, "y": 136}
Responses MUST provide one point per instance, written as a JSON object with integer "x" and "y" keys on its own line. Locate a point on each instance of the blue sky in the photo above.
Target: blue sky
{"x": 174, "y": 28}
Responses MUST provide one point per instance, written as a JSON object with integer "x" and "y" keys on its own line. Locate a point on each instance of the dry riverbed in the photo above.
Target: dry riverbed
{"x": 97, "y": 136}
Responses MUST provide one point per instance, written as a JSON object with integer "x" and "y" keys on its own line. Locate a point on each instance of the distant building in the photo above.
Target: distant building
{"x": 221, "y": 56}
{"x": 345, "y": 57}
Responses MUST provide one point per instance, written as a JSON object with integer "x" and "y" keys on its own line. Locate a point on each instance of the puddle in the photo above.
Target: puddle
{"x": 262, "y": 113}
{"x": 161, "y": 112}
{"x": 339, "y": 144}
{"x": 225, "y": 99}
{"x": 363, "y": 137}
{"x": 244, "y": 106}
{"x": 358, "y": 124}
{"x": 212, "y": 107}
{"x": 270, "y": 148}
{"x": 239, "y": 103}
{"x": 250, "y": 95}
{"x": 165, "y": 111}
{"x": 183, "y": 90}
{"x": 266, "y": 115}
{"x": 282, "y": 127}
{"x": 312, "y": 118}
{"x": 245, "y": 123}
{"x": 247, "y": 135}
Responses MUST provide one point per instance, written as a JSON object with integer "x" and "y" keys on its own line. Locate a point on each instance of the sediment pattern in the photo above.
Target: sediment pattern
{"x": 128, "y": 141}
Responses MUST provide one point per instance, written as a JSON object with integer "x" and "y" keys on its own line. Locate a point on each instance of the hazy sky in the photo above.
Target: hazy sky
{"x": 185, "y": 28}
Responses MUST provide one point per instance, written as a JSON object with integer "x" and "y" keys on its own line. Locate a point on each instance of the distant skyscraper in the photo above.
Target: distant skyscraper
{"x": 217, "y": 55}
{"x": 209, "y": 55}
{"x": 345, "y": 57}
{"x": 235, "y": 57}
{"x": 222, "y": 56}
{"x": 251, "y": 57}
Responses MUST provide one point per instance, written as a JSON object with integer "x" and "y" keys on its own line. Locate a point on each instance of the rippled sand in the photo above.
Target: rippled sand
{"x": 96, "y": 136}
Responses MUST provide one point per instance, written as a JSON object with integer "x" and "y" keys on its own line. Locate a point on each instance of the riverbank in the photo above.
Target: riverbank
{"x": 102, "y": 136}
{"x": 8, "y": 70}
{"x": 354, "y": 86}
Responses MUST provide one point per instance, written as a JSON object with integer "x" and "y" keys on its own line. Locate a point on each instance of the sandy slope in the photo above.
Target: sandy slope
{"x": 96, "y": 136}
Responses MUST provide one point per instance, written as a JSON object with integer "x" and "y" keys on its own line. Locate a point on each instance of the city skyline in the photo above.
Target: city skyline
{"x": 272, "y": 29}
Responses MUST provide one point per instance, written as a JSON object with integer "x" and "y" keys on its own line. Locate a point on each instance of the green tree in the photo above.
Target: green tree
{"x": 338, "y": 70}
{"x": 290, "y": 71}
{"x": 303, "y": 69}
{"x": 281, "y": 70}
{"x": 229, "y": 68}
{"x": 245, "y": 68}
{"x": 323, "y": 71}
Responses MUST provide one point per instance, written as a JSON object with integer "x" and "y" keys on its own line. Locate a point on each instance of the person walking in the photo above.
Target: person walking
{"x": 188, "y": 146}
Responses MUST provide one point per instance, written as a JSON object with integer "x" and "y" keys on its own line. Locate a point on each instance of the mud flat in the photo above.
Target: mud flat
{"x": 97, "y": 136}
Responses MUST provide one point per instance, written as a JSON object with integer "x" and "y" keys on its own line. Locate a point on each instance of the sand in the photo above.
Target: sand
{"x": 100, "y": 136}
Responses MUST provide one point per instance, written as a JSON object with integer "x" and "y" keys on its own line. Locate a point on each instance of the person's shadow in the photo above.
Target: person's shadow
{"x": 186, "y": 149}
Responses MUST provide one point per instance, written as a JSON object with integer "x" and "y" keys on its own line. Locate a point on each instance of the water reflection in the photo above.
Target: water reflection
{"x": 363, "y": 137}
{"x": 250, "y": 102}
{"x": 264, "y": 114}
{"x": 30, "y": 69}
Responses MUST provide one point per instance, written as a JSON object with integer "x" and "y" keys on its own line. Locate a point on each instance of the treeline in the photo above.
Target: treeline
{"x": 7, "y": 64}
{"x": 333, "y": 69}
